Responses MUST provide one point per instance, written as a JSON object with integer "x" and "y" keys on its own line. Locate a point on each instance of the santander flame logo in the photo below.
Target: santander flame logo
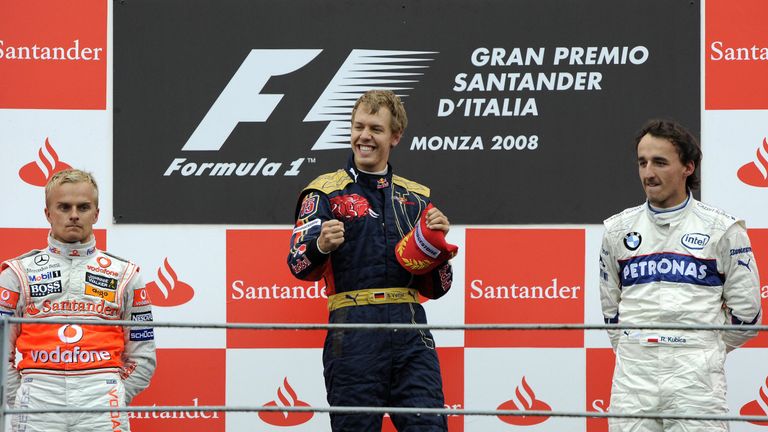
{"x": 524, "y": 401}
{"x": 755, "y": 173}
{"x": 286, "y": 398}
{"x": 759, "y": 406}
{"x": 169, "y": 291}
{"x": 38, "y": 172}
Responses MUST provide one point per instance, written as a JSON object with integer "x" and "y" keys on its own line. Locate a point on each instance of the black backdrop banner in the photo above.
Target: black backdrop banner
{"x": 520, "y": 111}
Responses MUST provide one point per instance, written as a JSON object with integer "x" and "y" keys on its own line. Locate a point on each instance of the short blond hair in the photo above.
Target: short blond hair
{"x": 375, "y": 99}
{"x": 70, "y": 176}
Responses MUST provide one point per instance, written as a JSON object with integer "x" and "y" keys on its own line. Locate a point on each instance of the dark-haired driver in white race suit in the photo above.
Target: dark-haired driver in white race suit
{"x": 71, "y": 365}
{"x": 674, "y": 260}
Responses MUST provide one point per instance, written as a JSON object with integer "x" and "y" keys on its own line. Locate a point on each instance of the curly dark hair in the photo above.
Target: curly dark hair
{"x": 687, "y": 147}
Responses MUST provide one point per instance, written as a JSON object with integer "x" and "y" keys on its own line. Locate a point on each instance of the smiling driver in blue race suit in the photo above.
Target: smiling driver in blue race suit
{"x": 348, "y": 224}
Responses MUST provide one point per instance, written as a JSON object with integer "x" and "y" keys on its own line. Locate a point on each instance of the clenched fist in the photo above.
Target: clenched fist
{"x": 331, "y": 236}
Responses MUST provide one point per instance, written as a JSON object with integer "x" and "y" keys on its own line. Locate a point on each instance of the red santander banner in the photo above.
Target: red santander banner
{"x": 736, "y": 55}
{"x": 261, "y": 289}
{"x": 53, "y": 54}
{"x": 517, "y": 276}
{"x": 184, "y": 377}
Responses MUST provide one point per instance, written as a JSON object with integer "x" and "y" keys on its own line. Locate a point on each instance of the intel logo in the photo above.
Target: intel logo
{"x": 694, "y": 240}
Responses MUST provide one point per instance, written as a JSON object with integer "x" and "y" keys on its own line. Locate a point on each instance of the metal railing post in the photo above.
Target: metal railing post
{"x": 4, "y": 357}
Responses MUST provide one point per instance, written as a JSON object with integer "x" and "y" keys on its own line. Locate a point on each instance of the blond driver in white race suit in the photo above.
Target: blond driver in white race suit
{"x": 688, "y": 264}
{"x": 65, "y": 365}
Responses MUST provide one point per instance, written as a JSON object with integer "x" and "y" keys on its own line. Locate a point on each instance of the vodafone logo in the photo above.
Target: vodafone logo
{"x": 70, "y": 333}
{"x": 47, "y": 164}
{"x": 755, "y": 173}
{"x": 103, "y": 262}
{"x": 524, "y": 400}
{"x": 286, "y": 397}
{"x": 168, "y": 290}
{"x": 759, "y": 406}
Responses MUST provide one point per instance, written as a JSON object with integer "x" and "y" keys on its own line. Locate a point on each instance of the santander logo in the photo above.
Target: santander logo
{"x": 286, "y": 396}
{"x": 759, "y": 406}
{"x": 755, "y": 173}
{"x": 524, "y": 400}
{"x": 38, "y": 172}
{"x": 169, "y": 291}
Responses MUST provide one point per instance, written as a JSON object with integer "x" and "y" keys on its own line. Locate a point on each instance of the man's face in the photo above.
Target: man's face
{"x": 662, "y": 173}
{"x": 72, "y": 209}
{"x": 372, "y": 138}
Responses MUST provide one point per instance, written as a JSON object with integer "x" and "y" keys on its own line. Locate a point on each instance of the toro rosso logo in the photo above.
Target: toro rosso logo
{"x": 349, "y": 207}
{"x": 667, "y": 267}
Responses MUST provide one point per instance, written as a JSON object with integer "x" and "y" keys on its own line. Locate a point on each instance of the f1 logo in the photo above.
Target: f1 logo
{"x": 242, "y": 101}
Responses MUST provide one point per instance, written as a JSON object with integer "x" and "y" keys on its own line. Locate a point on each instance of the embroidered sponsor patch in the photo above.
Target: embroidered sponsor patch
{"x": 144, "y": 316}
{"x": 142, "y": 334}
{"x": 141, "y": 297}
{"x": 100, "y": 281}
{"x": 106, "y": 294}
{"x": 42, "y": 290}
{"x": 309, "y": 205}
{"x": 8, "y": 299}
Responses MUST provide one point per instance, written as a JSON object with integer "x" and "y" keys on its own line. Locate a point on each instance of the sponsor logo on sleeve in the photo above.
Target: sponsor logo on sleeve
{"x": 142, "y": 335}
{"x": 742, "y": 250}
{"x": 141, "y": 297}
{"x": 8, "y": 299}
{"x": 144, "y": 316}
{"x": 308, "y": 206}
{"x": 42, "y": 290}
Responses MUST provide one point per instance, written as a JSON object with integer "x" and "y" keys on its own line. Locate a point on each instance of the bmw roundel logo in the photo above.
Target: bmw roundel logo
{"x": 632, "y": 240}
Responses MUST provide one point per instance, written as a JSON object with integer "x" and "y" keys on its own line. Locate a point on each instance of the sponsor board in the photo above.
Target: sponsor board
{"x": 37, "y": 143}
{"x": 524, "y": 379}
{"x": 600, "y": 363}
{"x": 53, "y": 55}
{"x": 734, "y": 175}
{"x": 736, "y": 55}
{"x": 264, "y": 120}
{"x": 200, "y": 382}
{"x": 282, "y": 380}
{"x": 524, "y": 276}
{"x": 168, "y": 290}
{"x": 184, "y": 276}
{"x": 261, "y": 289}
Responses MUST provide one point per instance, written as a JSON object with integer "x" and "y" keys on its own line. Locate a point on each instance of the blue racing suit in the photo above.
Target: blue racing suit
{"x": 366, "y": 284}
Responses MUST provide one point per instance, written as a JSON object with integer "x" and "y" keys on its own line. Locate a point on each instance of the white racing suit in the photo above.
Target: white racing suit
{"x": 64, "y": 365}
{"x": 692, "y": 265}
